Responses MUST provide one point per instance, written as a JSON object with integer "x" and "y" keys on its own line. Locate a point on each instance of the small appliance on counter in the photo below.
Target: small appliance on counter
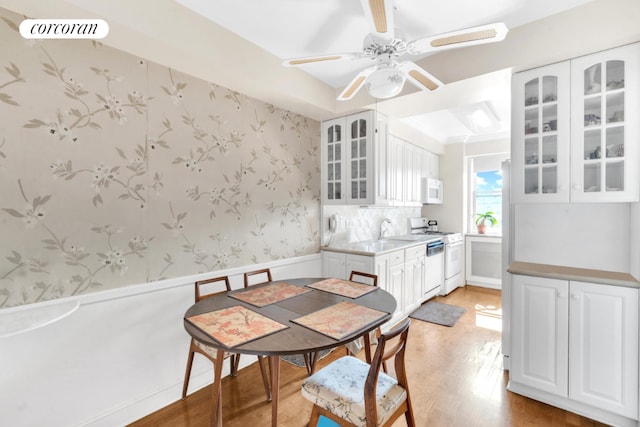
{"x": 432, "y": 225}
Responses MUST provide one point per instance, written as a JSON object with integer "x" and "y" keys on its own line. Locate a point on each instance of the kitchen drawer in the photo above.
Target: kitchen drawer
{"x": 396, "y": 258}
{"x": 415, "y": 252}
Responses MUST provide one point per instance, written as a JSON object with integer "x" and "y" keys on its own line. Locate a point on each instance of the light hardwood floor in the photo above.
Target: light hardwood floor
{"x": 455, "y": 379}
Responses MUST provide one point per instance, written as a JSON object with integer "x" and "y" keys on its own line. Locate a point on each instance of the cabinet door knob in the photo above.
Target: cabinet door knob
{"x": 575, "y": 296}
{"x": 576, "y": 186}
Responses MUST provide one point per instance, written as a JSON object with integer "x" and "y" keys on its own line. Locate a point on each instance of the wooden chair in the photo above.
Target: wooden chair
{"x": 359, "y": 277}
{"x": 247, "y": 282}
{"x": 373, "y": 281}
{"x": 210, "y": 352}
{"x": 366, "y": 396}
{"x": 247, "y": 277}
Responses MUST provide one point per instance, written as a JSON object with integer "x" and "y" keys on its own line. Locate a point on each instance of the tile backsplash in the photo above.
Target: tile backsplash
{"x": 363, "y": 223}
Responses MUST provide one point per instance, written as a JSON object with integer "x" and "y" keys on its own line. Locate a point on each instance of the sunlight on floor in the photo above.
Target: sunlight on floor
{"x": 489, "y": 317}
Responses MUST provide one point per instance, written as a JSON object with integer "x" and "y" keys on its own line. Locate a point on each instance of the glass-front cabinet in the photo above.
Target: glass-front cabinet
{"x": 574, "y": 133}
{"x": 541, "y": 134}
{"x": 605, "y": 126}
{"x": 354, "y": 156}
{"x": 333, "y": 165}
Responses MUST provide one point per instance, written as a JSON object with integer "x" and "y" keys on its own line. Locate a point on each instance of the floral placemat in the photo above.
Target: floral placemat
{"x": 235, "y": 325}
{"x": 344, "y": 288}
{"x": 340, "y": 320}
{"x": 269, "y": 294}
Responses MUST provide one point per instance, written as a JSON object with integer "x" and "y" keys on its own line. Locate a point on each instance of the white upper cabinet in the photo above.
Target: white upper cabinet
{"x": 354, "y": 160}
{"x": 604, "y": 130}
{"x": 570, "y": 140}
{"x": 540, "y": 134}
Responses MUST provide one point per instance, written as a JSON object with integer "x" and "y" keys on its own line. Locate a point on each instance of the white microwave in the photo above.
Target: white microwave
{"x": 431, "y": 191}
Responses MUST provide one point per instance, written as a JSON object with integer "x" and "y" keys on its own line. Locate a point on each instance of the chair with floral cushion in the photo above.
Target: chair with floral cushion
{"x": 210, "y": 352}
{"x": 353, "y": 393}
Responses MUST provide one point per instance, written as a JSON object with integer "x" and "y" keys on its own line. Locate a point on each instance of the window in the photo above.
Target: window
{"x": 488, "y": 194}
{"x": 485, "y": 189}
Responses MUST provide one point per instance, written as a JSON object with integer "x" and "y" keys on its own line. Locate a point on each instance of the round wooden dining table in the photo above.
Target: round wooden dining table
{"x": 294, "y": 338}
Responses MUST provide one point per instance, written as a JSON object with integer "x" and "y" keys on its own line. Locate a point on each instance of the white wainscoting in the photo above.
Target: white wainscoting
{"x": 108, "y": 358}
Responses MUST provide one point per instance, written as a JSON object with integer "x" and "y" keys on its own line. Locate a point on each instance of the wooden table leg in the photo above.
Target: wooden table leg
{"x": 274, "y": 363}
{"x": 216, "y": 398}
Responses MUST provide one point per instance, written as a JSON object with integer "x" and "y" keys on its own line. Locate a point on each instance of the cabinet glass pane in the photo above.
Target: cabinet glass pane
{"x": 338, "y": 153}
{"x": 363, "y": 189}
{"x": 615, "y": 142}
{"x": 338, "y": 172}
{"x": 592, "y": 144}
{"x": 354, "y": 149}
{"x": 330, "y": 134}
{"x": 338, "y": 191}
{"x": 363, "y": 147}
{"x": 550, "y": 149}
{"x": 330, "y": 175}
{"x": 614, "y": 176}
{"x": 550, "y": 179}
{"x": 363, "y": 168}
{"x": 592, "y": 177}
{"x": 531, "y": 92}
{"x": 549, "y": 89}
{"x": 615, "y": 75}
{"x": 330, "y": 191}
{"x": 592, "y": 79}
{"x": 531, "y": 121}
{"x": 354, "y": 189}
{"x": 363, "y": 128}
{"x": 338, "y": 132}
{"x": 615, "y": 107}
{"x": 531, "y": 151}
{"x": 531, "y": 181}
{"x": 330, "y": 149}
{"x": 354, "y": 129}
{"x": 550, "y": 118}
{"x": 354, "y": 170}
{"x": 592, "y": 111}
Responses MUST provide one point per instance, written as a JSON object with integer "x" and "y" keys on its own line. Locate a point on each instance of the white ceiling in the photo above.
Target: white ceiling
{"x": 244, "y": 50}
{"x": 301, "y": 28}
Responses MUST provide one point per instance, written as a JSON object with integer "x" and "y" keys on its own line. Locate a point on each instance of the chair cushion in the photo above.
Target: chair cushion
{"x": 212, "y": 352}
{"x": 339, "y": 388}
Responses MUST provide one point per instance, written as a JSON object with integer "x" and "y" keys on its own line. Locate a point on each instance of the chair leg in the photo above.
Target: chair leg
{"x": 234, "y": 361}
{"x": 315, "y": 417}
{"x": 265, "y": 378}
{"x": 310, "y": 362}
{"x": 187, "y": 373}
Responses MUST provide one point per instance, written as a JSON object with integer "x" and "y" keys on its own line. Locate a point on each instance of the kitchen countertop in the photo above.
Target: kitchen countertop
{"x": 378, "y": 247}
{"x": 571, "y": 273}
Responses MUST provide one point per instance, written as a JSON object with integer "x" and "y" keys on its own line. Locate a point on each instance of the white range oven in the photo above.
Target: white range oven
{"x": 453, "y": 250}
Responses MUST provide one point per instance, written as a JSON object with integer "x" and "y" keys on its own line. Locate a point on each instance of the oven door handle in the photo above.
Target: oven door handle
{"x": 454, "y": 245}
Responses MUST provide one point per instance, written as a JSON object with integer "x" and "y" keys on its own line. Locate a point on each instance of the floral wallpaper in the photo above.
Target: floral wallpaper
{"x": 117, "y": 171}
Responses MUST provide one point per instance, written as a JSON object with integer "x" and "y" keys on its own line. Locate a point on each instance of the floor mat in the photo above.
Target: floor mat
{"x": 298, "y": 359}
{"x": 441, "y": 314}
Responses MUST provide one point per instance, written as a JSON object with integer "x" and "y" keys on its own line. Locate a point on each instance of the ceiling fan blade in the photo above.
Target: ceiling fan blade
{"x": 355, "y": 85}
{"x": 461, "y": 38}
{"x": 379, "y": 14}
{"x": 323, "y": 58}
{"x": 419, "y": 77}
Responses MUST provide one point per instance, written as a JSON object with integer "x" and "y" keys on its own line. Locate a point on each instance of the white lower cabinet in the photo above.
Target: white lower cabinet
{"x": 340, "y": 264}
{"x": 575, "y": 345}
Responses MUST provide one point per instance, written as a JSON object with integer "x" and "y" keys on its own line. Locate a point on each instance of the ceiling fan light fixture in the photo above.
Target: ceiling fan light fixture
{"x": 385, "y": 82}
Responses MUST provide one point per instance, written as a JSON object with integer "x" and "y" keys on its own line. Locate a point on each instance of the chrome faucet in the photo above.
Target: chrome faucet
{"x": 382, "y": 229}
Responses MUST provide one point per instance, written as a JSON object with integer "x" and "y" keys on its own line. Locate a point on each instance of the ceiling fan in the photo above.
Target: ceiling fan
{"x": 385, "y": 45}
